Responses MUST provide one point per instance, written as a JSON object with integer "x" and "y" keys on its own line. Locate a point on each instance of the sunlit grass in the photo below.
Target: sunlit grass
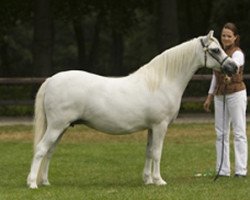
{"x": 92, "y": 165}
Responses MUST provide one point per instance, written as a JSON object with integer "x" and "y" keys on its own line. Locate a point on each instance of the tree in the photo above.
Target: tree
{"x": 13, "y": 14}
{"x": 43, "y": 38}
{"x": 109, "y": 19}
{"x": 167, "y": 26}
{"x": 194, "y": 17}
{"x": 81, "y": 13}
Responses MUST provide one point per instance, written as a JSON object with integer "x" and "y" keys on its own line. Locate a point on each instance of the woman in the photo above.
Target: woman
{"x": 230, "y": 102}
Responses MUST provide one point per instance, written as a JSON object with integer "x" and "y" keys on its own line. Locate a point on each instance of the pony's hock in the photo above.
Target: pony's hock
{"x": 147, "y": 99}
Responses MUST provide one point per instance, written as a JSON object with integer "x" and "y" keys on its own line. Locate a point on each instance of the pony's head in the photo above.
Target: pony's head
{"x": 215, "y": 57}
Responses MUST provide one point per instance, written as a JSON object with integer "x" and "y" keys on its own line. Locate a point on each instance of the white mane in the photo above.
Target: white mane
{"x": 168, "y": 64}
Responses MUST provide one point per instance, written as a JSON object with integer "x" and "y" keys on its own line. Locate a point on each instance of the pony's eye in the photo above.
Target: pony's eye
{"x": 215, "y": 50}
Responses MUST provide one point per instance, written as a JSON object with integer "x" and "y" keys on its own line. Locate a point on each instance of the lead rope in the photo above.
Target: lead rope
{"x": 205, "y": 49}
{"x": 223, "y": 137}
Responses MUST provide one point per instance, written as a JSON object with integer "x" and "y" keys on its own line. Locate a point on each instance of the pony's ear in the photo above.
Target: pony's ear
{"x": 210, "y": 34}
{"x": 208, "y": 37}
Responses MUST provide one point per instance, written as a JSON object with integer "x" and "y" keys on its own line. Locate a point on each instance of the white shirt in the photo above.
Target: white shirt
{"x": 238, "y": 58}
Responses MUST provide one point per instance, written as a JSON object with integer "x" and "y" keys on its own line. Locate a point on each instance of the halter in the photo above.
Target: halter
{"x": 206, "y": 50}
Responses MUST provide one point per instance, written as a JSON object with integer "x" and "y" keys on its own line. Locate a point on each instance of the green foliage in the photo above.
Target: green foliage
{"x": 14, "y": 110}
{"x": 17, "y": 93}
{"x": 192, "y": 107}
{"x": 91, "y": 165}
{"x": 12, "y": 11}
{"x": 134, "y": 21}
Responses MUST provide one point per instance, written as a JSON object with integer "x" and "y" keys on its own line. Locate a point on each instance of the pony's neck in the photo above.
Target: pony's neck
{"x": 180, "y": 61}
{"x": 187, "y": 64}
{"x": 173, "y": 66}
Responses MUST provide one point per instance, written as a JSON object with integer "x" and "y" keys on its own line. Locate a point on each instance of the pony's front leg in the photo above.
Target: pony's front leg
{"x": 147, "y": 172}
{"x": 159, "y": 133}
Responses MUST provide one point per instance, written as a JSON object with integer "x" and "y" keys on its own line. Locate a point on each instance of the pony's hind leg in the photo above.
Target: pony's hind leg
{"x": 44, "y": 169}
{"x": 41, "y": 151}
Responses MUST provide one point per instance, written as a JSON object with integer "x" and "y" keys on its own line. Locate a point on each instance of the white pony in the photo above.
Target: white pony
{"x": 147, "y": 99}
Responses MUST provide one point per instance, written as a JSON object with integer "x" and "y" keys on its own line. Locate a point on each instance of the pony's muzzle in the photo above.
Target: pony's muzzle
{"x": 229, "y": 67}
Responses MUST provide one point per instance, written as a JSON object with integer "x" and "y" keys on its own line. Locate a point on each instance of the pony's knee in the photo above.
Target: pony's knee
{"x": 41, "y": 151}
{"x": 149, "y": 153}
{"x": 156, "y": 155}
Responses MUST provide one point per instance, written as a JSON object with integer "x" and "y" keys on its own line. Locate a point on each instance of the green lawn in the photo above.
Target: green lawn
{"x": 92, "y": 165}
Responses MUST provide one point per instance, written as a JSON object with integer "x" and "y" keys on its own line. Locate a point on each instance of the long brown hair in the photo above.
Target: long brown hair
{"x": 231, "y": 26}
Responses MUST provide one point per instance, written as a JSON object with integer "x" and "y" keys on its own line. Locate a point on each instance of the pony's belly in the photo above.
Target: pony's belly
{"x": 115, "y": 128}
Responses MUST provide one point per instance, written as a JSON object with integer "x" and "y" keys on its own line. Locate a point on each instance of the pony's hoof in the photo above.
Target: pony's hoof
{"x": 159, "y": 181}
{"x": 33, "y": 186}
{"x": 46, "y": 183}
{"x": 148, "y": 182}
{"x": 28, "y": 180}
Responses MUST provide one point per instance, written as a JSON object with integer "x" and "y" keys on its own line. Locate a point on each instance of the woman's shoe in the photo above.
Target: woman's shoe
{"x": 239, "y": 176}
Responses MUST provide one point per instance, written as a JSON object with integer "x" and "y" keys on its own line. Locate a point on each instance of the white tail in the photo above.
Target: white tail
{"x": 40, "y": 122}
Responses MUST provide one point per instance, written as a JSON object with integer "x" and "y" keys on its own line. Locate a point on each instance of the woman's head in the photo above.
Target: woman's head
{"x": 230, "y": 36}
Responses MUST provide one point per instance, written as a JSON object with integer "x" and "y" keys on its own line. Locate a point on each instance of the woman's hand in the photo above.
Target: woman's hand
{"x": 207, "y": 103}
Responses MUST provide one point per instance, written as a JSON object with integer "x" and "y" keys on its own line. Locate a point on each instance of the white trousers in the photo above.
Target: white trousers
{"x": 235, "y": 115}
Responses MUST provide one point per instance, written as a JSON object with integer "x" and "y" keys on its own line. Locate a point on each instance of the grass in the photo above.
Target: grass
{"x": 92, "y": 165}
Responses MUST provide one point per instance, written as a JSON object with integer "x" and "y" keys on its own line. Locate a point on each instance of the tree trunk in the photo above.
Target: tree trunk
{"x": 168, "y": 33}
{"x": 43, "y": 38}
{"x": 4, "y": 58}
{"x": 117, "y": 50}
{"x": 92, "y": 56}
{"x": 80, "y": 40}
